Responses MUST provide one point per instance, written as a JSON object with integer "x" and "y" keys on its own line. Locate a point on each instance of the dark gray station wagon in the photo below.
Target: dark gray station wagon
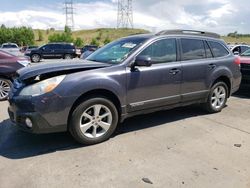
{"x": 133, "y": 75}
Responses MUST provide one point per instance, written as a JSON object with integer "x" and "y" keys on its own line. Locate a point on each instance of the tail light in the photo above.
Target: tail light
{"x": 237, "y": 61}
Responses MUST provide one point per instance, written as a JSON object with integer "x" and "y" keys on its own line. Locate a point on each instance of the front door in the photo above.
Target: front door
{"x": 158, "y": 85}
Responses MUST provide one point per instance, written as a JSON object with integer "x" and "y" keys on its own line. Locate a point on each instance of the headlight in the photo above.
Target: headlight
{"x": 24, "y": 63}
{"x": 42, "y": 87}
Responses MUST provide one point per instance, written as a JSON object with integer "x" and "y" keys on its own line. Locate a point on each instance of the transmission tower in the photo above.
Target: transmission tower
{"x": 69, "y": 12}
{"x": 125, "y": 14}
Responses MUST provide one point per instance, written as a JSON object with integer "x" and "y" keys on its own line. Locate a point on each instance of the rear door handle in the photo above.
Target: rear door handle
{"x": 174, "y": 71}
{"x": 212, "y": 66}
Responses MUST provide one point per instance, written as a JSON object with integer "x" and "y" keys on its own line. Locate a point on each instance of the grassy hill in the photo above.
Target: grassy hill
{"x": 114, "y": 34}
{"x": 87, "y": 35}
{"x": 238, "y": 40}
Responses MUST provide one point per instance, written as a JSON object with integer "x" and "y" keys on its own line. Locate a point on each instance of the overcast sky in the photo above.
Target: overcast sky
{"x": 222, "y": 16}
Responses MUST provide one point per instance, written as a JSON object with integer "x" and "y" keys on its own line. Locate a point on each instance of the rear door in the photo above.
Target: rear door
{"x": 58, "y": 50}
{"x": 196, "y": 63}
{"x": 158, "y": 85}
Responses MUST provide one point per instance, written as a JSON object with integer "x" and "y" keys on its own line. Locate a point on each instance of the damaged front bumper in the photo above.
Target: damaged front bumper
{"x": 32, "y": 114}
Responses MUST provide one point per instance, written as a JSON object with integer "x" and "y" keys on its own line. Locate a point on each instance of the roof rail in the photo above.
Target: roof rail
{"x": 189, "y": 32}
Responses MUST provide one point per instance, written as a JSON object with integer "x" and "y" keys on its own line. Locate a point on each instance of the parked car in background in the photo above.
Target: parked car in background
{"x": 245, "y": 68}
{"x": 239, "y": 49}
{"x": 88, "y": 48}
{"x": 11, "y": 48}
{"x": 133, "y": 75}
{"x": 87, "y": 53}
{"x": 9, "y": 64}
{"x": 53, "y": 51}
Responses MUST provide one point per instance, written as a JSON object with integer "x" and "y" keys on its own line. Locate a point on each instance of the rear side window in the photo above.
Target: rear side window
{"x": 192, "y": 49}
{"x": 161, "y": 51}
{"x": 218, "y": 49}
{"x": 57, "y": 46}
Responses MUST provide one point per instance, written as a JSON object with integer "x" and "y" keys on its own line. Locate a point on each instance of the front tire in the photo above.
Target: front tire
{"x": 217, "y": 98}
{"x": 35, "y": 58}
{"x": 5, "y": 86}
{"x": 93, "y": 121}
{"x": 67, "y": 56}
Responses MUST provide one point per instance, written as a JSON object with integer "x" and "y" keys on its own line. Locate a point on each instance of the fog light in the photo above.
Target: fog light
{"x": 28, "y": 122}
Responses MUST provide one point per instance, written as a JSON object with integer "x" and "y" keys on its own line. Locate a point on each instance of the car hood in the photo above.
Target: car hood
{"x": 58, "y": 68}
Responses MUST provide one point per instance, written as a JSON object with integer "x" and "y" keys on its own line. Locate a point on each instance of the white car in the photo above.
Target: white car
{"x": 11, "y": 48}
{"x": 239, "y": 49}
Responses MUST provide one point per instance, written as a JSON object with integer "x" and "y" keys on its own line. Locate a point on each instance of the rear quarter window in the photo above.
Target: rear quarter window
{"x": 218, "y": 49}
{"x": 68, "y": 46}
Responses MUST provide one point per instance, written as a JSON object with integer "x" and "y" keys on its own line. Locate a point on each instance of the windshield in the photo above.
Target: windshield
{"x": 9, "y": 46}
{"x": 246, "y": 53}
{"x": 116, "y": 51}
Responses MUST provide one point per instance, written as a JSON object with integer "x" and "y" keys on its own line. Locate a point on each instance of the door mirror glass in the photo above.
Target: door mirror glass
{"x": 143, "y": 61}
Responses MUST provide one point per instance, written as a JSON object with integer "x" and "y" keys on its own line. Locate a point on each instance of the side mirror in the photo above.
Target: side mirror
{"x": 143, "y": 61}
{"x": 236, "y": 53}
{"x": 43, "y": 48}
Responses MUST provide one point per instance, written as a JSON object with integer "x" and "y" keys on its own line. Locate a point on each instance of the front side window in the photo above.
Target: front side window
{"x": 47, "y": 47}
{"x": 161, "y": 51}
{"x": 218, "y": 49}
{"x": 192, "y": 49}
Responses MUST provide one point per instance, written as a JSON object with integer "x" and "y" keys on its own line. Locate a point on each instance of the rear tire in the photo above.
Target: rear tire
{"x": 93, "y": 121}
{"x": 217, "y": 98}
{"x": 5, "y": 86}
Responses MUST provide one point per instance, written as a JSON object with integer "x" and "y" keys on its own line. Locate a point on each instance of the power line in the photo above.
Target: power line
{"x": 125, "y": 14}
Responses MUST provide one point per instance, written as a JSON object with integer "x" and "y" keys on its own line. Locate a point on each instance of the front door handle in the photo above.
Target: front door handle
{"x": 174, "y": 71}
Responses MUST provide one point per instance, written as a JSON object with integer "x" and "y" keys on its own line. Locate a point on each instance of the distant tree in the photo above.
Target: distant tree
{"x": 47, "y": 32}
{"x": 107, "y": 40}
{"x": 19, "y": 35}
{"x": 78, "y": 42}
{"x": 94, "y": 41}
{"x": 40, "y": 35}
{"x": 99, "y": 37}
{"x": 3, "y": 26}
{"x": 67, "y": 29}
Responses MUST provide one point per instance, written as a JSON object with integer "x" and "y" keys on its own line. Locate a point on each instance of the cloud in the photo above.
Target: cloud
{"x": 222, "y": 16}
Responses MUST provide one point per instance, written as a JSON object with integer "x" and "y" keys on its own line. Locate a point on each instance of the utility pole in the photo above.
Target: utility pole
{"x": 125, "y": 14}
{"x": 69, "y": 12}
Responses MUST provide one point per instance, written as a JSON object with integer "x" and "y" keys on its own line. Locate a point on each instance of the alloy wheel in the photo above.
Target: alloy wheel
{"x": 96, "y": 121}
{"x": 4, "y": 89}
{"x": 218, "y": 97}
{"x": 35, "y": 58}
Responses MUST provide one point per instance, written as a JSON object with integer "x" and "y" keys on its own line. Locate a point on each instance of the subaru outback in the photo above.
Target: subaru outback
{"x": 133, "y": 75}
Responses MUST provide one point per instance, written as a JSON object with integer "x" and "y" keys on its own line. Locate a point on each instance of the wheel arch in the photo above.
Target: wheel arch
{"x": 97, "y": 93}
{"x": 226, "y": 80}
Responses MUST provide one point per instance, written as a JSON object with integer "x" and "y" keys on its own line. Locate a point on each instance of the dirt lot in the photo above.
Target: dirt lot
{"x": 184, "y": 147}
